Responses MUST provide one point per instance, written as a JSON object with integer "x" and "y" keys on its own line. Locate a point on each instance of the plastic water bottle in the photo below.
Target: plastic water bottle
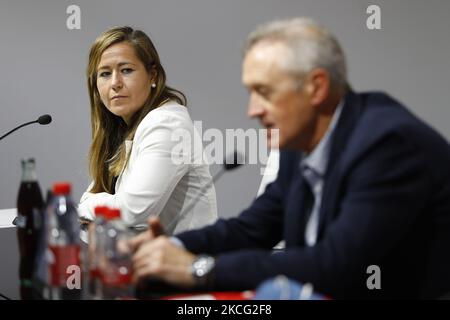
{"x": 63, "y": 245}
{"x": 114, "y": 264}
{"x": 283, "y": 288}
{"x": 95, "y": 234}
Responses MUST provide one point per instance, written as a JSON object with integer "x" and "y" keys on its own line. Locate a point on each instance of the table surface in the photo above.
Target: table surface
{"x": 9, "y": 253}
{"x": 6, "y": 217}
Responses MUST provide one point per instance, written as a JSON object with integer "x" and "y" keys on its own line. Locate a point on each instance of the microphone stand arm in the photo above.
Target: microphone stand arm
{"x": 23, "y": 125}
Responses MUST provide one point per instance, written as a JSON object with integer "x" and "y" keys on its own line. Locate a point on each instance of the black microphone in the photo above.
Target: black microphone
{"x": 44, "y": 119}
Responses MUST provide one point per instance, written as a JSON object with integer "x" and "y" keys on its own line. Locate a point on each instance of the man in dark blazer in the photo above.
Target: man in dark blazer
{"x": 362, "y": 197}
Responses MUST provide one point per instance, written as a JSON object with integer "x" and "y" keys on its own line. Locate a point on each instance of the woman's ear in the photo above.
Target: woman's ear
{"x": 153, "y": 75}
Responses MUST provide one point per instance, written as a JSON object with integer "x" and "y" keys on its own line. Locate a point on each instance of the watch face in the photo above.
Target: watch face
{"x": 202, "y": 266}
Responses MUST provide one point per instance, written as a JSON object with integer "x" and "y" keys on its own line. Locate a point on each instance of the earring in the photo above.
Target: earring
{"x": 153, "y": 85}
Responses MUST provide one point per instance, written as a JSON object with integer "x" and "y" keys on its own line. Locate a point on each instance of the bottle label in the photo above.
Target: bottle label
{"x": 116, "y": 274}
{"x": 94, "y": 273}
{"x": 62, "y": 257}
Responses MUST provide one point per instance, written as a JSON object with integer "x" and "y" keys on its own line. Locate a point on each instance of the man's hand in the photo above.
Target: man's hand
{"x": 160, "y": 258}
{"x": 156, "y": 256}
{"x": 155, "y": 229}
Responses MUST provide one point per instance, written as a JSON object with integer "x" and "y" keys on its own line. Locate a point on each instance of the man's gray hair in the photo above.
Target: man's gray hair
{"x": 311, "y": 44}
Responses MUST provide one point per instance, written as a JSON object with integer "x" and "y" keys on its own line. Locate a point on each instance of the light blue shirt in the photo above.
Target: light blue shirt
{"x": 313, "y": 167}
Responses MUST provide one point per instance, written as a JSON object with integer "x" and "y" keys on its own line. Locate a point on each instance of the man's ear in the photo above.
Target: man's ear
{"x": 318, "y": 86}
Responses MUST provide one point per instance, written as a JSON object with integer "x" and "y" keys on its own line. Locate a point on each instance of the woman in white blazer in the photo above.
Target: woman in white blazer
{"x": 136, "y": 120}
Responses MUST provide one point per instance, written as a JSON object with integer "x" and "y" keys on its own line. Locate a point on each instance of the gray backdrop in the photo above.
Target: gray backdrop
{"x": 200, "y": 42}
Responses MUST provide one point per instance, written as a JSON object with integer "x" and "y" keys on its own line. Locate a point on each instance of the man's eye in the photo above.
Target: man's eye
{"x": 104, "y": 74}
{"x": 262, "y": 90}
{"x": 127, "y": 70}
{"x": 264, "y": 93}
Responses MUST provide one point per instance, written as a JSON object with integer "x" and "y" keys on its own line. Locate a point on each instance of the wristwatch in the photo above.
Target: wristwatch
{"x": 201, "y": 269}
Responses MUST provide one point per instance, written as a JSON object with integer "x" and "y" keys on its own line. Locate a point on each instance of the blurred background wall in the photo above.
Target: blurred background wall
{"x": 43, "y": 63}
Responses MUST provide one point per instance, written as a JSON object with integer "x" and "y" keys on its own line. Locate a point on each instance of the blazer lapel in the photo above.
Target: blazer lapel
{"x": 333, "y": 176}
{"x": 295, "y": 213}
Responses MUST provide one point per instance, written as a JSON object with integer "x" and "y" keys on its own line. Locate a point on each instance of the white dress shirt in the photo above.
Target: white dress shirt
{"x": 153, "y": 183}
{"x": 314, "y": 167}
{"x": 270, "y": 172}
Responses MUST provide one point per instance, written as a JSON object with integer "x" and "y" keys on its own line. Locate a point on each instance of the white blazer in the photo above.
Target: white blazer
{"x": 155, "y": 181}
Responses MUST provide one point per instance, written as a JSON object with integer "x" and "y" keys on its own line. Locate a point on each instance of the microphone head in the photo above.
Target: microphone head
{"x": 44, "y": 119}
{"x": 233, "y": 161}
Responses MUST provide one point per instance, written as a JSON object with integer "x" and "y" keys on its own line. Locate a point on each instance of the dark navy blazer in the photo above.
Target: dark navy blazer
{"x": 386, "y": 202}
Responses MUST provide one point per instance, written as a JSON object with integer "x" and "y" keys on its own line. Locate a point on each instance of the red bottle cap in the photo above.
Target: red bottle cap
{"x": 100, "y": 211}
{"x": 112, "y": 214}
{"x": 61, "y": 188}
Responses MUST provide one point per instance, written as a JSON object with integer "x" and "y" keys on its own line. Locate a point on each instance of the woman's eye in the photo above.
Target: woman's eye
{"x": 127, "y": 70}
{"x": 104, "y": 74}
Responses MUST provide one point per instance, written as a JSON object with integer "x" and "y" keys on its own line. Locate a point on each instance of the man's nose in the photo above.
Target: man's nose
{"x": 116, "y": 81}
{"x": 255, "y": 108}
